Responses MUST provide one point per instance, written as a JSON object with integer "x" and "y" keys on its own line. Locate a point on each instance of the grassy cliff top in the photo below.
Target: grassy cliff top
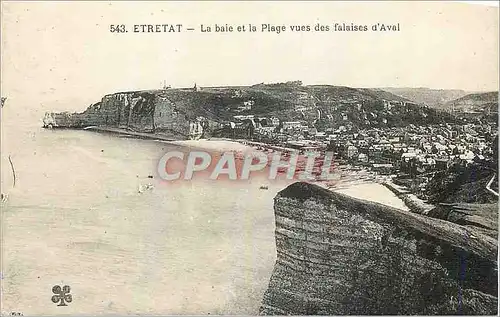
{"x": 292, "y": 101}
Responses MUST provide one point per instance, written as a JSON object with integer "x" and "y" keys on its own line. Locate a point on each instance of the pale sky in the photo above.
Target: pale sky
{"x": 63, "y": 53}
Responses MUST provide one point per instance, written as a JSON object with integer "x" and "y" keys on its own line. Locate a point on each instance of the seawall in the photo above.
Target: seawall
{"x": 413, "y": 202}
{"x": 339, "y": 255}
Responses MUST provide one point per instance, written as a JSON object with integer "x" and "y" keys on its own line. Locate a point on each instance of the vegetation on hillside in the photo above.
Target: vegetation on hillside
{"x": 478, "y": 102}
{"x": 466, "y": 184}
{"x": 327, "y": 106}
{"x": 435, "y": 98}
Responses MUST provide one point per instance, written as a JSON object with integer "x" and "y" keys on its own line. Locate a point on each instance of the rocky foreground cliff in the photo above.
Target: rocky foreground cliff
{"x": 339, "y": 255}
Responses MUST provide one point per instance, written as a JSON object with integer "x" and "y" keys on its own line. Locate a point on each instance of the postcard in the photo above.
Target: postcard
{"x": 249, "y": 158}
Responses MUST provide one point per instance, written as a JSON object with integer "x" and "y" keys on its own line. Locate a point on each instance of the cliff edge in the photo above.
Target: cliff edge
{"x": 337, "y": 255}
{"x": 182, "y": 112}
{"x": 170, "y": 113}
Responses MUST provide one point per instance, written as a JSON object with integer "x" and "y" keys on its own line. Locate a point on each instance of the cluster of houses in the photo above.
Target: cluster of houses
{"x": 249, "y": 126}
{"x": 414, "y": 150}
{"x": 410, "y": 150}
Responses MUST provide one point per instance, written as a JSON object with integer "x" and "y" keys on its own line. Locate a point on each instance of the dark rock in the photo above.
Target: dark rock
{"x": 338, "y": 255}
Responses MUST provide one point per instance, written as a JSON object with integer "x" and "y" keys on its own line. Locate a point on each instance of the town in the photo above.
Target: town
{"x": 370, "y": 132}
{"x": 411, "y": 154}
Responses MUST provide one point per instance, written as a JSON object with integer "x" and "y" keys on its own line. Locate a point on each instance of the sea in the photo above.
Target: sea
{"x": 85, "y": 212}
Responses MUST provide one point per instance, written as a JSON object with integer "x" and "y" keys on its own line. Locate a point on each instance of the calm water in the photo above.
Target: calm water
{"x": 75, "y": 217}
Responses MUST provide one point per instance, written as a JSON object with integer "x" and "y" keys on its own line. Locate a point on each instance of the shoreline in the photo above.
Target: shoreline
{"x": 220, "y": 145}
{"x": 241, "y": 145}
{"x": 414, "y": 203}
{"x": 216, "y": 144}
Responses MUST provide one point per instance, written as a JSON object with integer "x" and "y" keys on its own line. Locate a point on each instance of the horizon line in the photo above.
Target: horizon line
{"x": 316, "y": 84}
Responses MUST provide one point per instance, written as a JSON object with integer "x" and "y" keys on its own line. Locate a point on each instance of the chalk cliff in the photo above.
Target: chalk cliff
{"x": 338, "y": 255}
{"x": 156, "y": 111}
{"x": 175, "y": 111}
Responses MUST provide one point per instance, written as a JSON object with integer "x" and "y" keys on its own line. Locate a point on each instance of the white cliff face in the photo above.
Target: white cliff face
{"x": 48, "y": 120}
{"x": 195, "y": 130}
